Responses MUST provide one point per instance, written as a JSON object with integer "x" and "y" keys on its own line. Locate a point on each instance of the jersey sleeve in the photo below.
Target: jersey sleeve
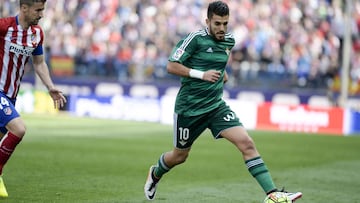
{"x": 184, "y": 49}
{"x": 39, "y": 49}
{"x": 2, "y": 27}
{"x": 4, "y": 24}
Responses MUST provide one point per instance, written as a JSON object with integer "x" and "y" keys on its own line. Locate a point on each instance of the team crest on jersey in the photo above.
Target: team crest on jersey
{"x": 178, "y": 53}
{"x": 7, "y": 111}
{"x": 227, "y": 51}
{"x": 33, "y": 40}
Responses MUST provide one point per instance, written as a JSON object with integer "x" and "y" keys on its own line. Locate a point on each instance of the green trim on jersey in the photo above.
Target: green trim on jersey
{"x": 200, "y": 51}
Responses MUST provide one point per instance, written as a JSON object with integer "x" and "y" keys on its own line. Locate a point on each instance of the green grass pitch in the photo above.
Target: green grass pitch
{"x": 67, "y": 159}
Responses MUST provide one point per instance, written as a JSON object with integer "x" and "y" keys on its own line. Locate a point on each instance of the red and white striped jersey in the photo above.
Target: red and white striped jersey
{"x": 16, "y": 47}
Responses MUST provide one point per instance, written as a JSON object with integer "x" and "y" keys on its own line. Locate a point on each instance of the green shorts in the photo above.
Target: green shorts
{"x": 188, "y": 128}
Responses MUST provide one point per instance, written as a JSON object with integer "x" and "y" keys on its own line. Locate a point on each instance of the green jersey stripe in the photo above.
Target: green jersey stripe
{"x": 190, "y": 37}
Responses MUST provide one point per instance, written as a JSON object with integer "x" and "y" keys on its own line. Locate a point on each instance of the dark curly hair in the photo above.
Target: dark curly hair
{"x": 218, "y": 8}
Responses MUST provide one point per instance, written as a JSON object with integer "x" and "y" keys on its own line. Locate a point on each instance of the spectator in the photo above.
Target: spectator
{"x": 130, "y": 40}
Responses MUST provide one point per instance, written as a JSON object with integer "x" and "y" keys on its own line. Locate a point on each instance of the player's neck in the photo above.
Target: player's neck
{"x": 22, "y": 22}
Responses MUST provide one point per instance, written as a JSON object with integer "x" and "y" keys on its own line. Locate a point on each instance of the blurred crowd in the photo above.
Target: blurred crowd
{"x": 278, "y": 42}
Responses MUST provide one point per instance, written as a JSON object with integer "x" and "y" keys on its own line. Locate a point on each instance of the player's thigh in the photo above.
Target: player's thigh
{"x": 238, "y": 136}
{"x": 187, "y": 129}
{"x": 221, "y": 119}
{"x": 241, "y": 139}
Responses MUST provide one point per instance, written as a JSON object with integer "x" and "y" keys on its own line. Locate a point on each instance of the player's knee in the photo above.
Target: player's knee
{"x": 20, "y": 131}
{"x": 181, "y": 158}
{"x": 249, "y": 142}
{"x": 17, "y": 127}
{"x": 247, "y": 145}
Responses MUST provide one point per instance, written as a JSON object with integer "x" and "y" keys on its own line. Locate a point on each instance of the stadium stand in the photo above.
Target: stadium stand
{"x": 279, "y": 43}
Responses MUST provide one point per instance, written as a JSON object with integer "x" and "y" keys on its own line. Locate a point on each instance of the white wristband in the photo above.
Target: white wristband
{"x": 196, "y": 74}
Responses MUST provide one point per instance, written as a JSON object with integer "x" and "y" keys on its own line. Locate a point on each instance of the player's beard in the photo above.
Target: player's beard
{"x": 32, "y": 21}
{"x": 35, "y": 21}
{"x": 215, "y": 35}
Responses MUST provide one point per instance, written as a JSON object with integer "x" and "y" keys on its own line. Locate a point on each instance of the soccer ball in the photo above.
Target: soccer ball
{"x": 277, "y": 197}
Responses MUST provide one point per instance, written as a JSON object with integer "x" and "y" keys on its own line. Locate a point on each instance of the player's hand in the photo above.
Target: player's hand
{"x": 58, "y": 98}
{"x": 212, "y": 75}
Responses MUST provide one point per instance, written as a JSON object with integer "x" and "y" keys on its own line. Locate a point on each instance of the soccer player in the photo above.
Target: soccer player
{"x": 20, "y": 38}
{"x": 200, "y": 59}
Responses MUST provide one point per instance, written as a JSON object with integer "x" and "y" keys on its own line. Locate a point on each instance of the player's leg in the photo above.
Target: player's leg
{"x": 3, "y": 191}
{"x": 256, "y": 166}
{"x": 166, "y": 161}
{"x": 226, "y": 124}
{"x": 169, "y": 160}
{"x": 12, "y": 129}
{"x": 186, "y": 131}
{"x": 16, "y": 131}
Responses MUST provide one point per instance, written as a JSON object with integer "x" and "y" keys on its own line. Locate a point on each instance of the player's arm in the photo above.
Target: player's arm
{"x": 183, "y": 71}
{"x": 42, "y": 71}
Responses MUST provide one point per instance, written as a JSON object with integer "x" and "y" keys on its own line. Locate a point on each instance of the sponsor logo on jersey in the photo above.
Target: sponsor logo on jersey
{"x": 19, "y": 49}
{"x": 209, "y": 50}
{"x": 178, "y": 53}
